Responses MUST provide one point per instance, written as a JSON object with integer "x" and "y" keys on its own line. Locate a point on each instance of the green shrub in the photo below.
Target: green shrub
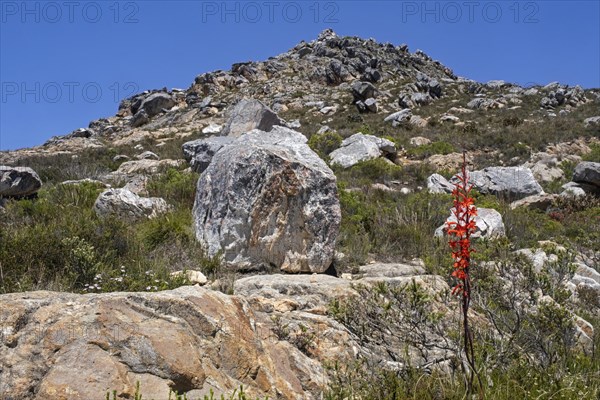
{"x": 57, "y": 242}
{"x": 371, "y": 171}
{"x": 594, "y": 155}
{"x": 391, "y": 226}
{"x": 430, "y": 149}
{"x": 325, "y": 143}
{"x": 178, "y": 188}
{"x": 173, "y": 226}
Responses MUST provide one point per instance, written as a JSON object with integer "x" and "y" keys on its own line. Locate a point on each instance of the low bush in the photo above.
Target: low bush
{"x": 431, "y": 149}
{"x": 325, "y": 143}
{"x": 57, "y": 242}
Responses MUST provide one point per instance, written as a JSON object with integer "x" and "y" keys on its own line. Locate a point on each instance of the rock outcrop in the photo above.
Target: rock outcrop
{"x": 61, "y": 345}
{"x": 267, "y": 199}
{"x": 273, "y": 336}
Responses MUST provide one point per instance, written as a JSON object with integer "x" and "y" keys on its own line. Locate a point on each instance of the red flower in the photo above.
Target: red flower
{"x": 461, "y": 230}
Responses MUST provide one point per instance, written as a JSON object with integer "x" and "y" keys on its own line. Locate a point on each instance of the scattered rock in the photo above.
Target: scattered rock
{"x": 328, "y": 110}
{"x": 371, "y": 105}
{"x": 294, "y": 124}
{"x": 587, "y": 172}
{"x": 592, "y": 121}
{"x": 250, "y": 114}
{"x": 419, "y": 141}
{"x": 289, "y": 218}
{"x": 539, "y": 201}
{"x": 148, "y": 155}
{"x": 418, "y": 121}
{"x": 449, "y": 118}
{"x": 390, "y": 270}
{"x": 195, "y": 277}
{"x": 360, "y": 147}
{"x": 156, "y": 103}
{"x": 512, "y": 183}
{"x": 573, "y": 189}
{"x": 382, "y": 187}
{"x": 436, "y": 183}
{"x": 18, "y": 181}
{"x": 138, "y": 184}
{"x": 449, "y": 162}
{"x": 547, "y": 172}
{"x": 120, "y": 158}
{"x": 124, "y": 204}
{"x": 399, "y": 117}
{"x": 212, "y": 129}
{"x": 488, "y": 223}
{"x": 199, "y": 153}
{"x": 140, "y": 118}
{"x": 363, "y": 91}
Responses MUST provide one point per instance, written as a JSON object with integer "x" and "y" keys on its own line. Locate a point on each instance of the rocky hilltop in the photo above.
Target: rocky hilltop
{"x": 281, "y": 226}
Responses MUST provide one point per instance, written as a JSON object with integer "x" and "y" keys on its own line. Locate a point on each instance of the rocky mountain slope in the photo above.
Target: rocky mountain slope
{"x": 281, "y": 226}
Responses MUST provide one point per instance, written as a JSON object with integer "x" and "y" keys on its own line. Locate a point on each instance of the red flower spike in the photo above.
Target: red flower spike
{"x": 460, "y": 231}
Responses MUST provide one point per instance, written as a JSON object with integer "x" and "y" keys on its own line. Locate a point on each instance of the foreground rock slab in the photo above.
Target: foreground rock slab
{"x": 58, "y": 346}
{"x": 267, "y": 199}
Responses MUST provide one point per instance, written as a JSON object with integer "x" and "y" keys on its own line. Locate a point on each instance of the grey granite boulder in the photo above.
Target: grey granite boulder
{"x": 126, "y": 205}
{"x": 488, "y": 224}
{"x": 587, "y": 172}
{"x": 18, "y": 181}
{"x": 199, "y": 153}
{"x": 538, "y": 201}
{"x": 156, "y": 102}
{"x": 360, "y": 147}
{"x": 363, "y": 90}
{"x": 399, "y": 116}
{"x": 250, "y": 114}
{"x": 267, "y": 199}
{"x": 436, "y": 183}
{"x": 592, "y": 121}
{"x": 512, "y": 183}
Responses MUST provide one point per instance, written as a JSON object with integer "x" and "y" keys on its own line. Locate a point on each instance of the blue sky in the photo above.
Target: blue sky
{"x": 65, "y": 63}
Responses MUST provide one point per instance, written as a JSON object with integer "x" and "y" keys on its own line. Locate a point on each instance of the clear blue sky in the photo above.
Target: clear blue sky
{"x": 65, "y": 63}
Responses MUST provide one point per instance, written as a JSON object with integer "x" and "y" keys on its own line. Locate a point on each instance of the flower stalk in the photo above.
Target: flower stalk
{"x": 460, "y": 231}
